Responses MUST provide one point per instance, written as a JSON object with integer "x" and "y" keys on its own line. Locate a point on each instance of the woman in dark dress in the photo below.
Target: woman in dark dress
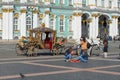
{"x": 105, "y": 48}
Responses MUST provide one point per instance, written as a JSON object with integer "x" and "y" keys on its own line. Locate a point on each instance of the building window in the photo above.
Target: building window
{"x": 61, "y": 25}
{"x": 102, "y": 3}
{"x": 61, "y": 1}
{"x": 40, "y": 21}
{"x": 51, "y": 23}
{"x": 83, "y": 3}
{"x": 28, "y": 23}
{"x": 51, "y": 1}
{"x": 119, "y": 4}
{"x": 15, "y": 24}
{"x": 70, "y": 2}
{"x": 70, "y": 25}
{"x": 30, "y": 1}
{"x": 96, "y": 2}
{"x": 40, "y": 1}
{"x": 110, "y": 4}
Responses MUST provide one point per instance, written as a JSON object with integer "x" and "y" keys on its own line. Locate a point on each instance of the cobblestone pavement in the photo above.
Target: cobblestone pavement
{"x": 46, "y": 67}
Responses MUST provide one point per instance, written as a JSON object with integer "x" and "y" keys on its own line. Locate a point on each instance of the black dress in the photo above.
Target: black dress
{"x": 105, "y": 43}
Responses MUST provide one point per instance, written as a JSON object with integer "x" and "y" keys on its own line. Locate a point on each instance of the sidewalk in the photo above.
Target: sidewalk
{"x": 8, "y": 41}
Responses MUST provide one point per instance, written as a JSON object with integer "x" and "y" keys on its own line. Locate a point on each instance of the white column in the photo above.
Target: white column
{"x": 96, "y": 27}
{"x": 23, "y": 22}
{"x": 0, "y": 24}
{"x": 10, "y": 25}
{"x": 5, "y": 26}
{"x": 91, "y": 3}
{"x": 78, "y": 27}
{"x": 93, "y": 28}
{"x": 74, "y": 28}
{"x": 99, "y": 3}
{"x": 111, "y": 29}
{"x": 115, "y": 4}
{"x": 35, "y": 20}
{"x": 23, "y": 1}
{"x": 116, "y": 26}
{"x": 90, "y": 30}
{"x": 47, "y": 11}
{"x": 106, "y": 3}
{"x": 46, "y": 21}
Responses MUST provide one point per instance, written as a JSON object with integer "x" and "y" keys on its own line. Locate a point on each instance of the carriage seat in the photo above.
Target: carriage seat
{"x": 48, "y": 43}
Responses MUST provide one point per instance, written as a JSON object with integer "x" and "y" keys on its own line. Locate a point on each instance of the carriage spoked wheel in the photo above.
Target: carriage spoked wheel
{"x": 32, "y": 51}
{"x": 29, "y": 51}
{"x": 35, "y": 50}
{"x": 19, "y": 50}
{"x": 55, "y": 51}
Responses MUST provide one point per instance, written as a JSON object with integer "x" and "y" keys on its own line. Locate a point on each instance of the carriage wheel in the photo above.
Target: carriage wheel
{"x": 35, "y": 51}
{"x": 29, "y": 51}
{"x": 19, "y": 50}
{"x": 55, "y": 51}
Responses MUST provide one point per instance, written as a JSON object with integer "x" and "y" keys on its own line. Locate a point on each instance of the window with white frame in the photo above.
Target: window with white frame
{"x": 83, "y": 3}
{"x": 70, "y": 2}
{"x": 15, "y": 24}
{"x": 102, "y": 3}
{"x": 70, "y": 25}
{"x": 51, "y": 23}
{"x": 119, "y": 4}
{"x": 28, "y": 23}
{"x": 110, "y": 3}
{"x": 61, "y": 25}
{"x": 61, "y": 1}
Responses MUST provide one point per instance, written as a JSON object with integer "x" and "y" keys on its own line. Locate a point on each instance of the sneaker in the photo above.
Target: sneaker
{"x": 67, "y": 60}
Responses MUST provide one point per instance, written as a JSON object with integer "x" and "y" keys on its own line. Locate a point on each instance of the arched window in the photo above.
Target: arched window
{"x": 15, "y": 24}
{"x": 28, "y": 23}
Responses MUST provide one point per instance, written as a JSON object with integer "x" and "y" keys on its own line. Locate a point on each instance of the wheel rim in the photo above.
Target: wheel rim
{"x": 18, "y": 49}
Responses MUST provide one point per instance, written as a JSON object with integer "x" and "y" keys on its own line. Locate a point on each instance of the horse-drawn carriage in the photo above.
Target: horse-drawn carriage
{"x": 39, "y": 38}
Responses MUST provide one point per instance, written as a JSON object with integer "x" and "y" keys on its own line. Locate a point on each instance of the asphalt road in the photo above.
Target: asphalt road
{"x": 47, "y": 67}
